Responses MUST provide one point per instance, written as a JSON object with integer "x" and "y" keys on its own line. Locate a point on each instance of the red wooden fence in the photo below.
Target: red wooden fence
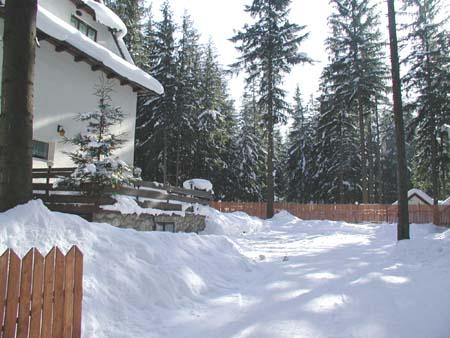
{"x": 376, "y": 213}
{"x": 41, "y": 296}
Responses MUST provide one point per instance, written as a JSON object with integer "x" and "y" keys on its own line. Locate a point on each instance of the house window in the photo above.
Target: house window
{"x": 84, "y": 28}
{"x": 40, "y": 150}
{"x": 165, "y": 226}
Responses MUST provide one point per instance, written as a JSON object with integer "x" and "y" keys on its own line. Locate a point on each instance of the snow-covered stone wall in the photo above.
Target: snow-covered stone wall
{"x": 64, "y": 89}
{"x": 146, "y": 222}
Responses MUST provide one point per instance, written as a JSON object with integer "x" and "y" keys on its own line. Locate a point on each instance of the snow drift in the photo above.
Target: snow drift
{"x": 282, "y": 278}
{"x": 231, "y": 224}
{"x": 131, "y": 278}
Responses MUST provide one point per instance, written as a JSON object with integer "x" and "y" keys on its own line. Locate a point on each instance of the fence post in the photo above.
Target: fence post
{"x": 47, "y": 181}
{"x": 436, "y": 218}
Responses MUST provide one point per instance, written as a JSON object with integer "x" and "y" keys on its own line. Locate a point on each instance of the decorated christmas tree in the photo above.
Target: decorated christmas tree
{"x": 97, "y": 168}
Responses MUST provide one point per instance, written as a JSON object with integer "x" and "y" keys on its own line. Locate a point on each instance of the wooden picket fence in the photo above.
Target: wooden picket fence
{"x": 42, "y": 297}
{"x": 375, "y": 213}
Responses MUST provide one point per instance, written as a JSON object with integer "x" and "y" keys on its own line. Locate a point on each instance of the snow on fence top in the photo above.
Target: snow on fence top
{"x": 56, "y": 28}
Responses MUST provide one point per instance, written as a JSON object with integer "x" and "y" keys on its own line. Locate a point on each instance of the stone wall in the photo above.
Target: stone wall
{"x": 145, "y": 222}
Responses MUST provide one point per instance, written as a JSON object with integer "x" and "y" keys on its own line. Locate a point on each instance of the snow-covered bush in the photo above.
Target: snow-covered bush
{"x": 96, "y": 166}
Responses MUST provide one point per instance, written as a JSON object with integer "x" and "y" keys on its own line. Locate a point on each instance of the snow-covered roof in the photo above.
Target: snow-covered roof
{"x": 106, "y": 16}
{"x": 421, "y": 194}
{"x": 57, "y": 29}
{"x": 446, "y": 202}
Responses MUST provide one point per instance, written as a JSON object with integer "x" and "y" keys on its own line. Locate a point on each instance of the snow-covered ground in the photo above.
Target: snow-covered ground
{"x": 250, "y": 278}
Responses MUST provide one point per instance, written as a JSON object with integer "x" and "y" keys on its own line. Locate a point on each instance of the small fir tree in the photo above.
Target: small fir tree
{"x": 96, "y": 167}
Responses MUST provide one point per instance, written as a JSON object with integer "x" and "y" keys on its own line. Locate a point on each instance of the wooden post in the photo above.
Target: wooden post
{"x": 436, "y": 215}
{"x": 47, "y": 181}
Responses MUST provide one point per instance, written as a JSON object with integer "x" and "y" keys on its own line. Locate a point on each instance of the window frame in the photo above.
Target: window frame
{"x": 165, "y": 226}
{"x": 77, "y": 22}
{"x": 38, "y": 155}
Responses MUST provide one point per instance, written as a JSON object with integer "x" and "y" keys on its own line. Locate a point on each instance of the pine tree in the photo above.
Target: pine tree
{"x": 155, "y": 129}
{"x": 427, "y": 81}
{"x": 300, "y": 153}
{"x": 187, "y": 98}
{"x": 356, "y": 79}
{"x": 132, "y": 13}
{"x": 96, "y": 167}
{"x": 247, "y": 161}
{"x": 358, "y": 40}
{"x": 269, "y": 49}
{"x": 149, "y": 59}
{"x": 280, "y": 166}
{"x": 214, "y": 124}
{"x": 336, "y": 154}
{"x": 388, "y": 159}
{"x": 249, "y": 153}
{"x": 188, "y": 132}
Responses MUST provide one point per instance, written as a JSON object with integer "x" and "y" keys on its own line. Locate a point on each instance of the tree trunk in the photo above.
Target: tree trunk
{"x": 402, "y": 171}
{"x": 363, "y": 154}
{"x": 434, "y": 141}
{"x": 165, "y": 157}
{"x": 370, "y": 152}
{"x": 177, "y": 165}
{"x": 16, "y": 117}
{"x": 270, "y": 178}
{"x": 378, "y": 176}
{"x": 444, "y": 170}
{"x": 340, "y": 196}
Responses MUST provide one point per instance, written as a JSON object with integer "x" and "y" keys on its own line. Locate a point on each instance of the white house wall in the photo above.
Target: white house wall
{"x": 64, "y": 88}
{"x": 64, "y": 9}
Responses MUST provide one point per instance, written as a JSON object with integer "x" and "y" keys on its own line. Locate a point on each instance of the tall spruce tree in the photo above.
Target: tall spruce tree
{"x": 356, "y": 82}
{"x": 249, "y": 155}
{"x": 187, "y": 98}
{"x": 214, "y": 123}
{"x": 157, "y": 116}
{"x": 427, "y": 81}
{"x": 337, "y": 171}
{"x": 269, "y": 49}
{"x": 300, "y": 152}
{"x": 280, "y": 165}
{"x": 388, "y": 159}
{"x": 132, "y": 13}
{"x": 149, "y": 58}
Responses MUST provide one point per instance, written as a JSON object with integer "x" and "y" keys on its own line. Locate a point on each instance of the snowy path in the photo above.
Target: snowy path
{"x": 327, "y": 280}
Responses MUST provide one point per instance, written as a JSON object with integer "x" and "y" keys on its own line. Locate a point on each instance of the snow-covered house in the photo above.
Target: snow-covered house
{"x": 445, "y": 202}
{"x": 80, "y": 42}
{"x": 418, "y": 197}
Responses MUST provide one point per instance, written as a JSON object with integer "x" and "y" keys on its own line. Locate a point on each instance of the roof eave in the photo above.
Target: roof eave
{"x": 80, "y": 56}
